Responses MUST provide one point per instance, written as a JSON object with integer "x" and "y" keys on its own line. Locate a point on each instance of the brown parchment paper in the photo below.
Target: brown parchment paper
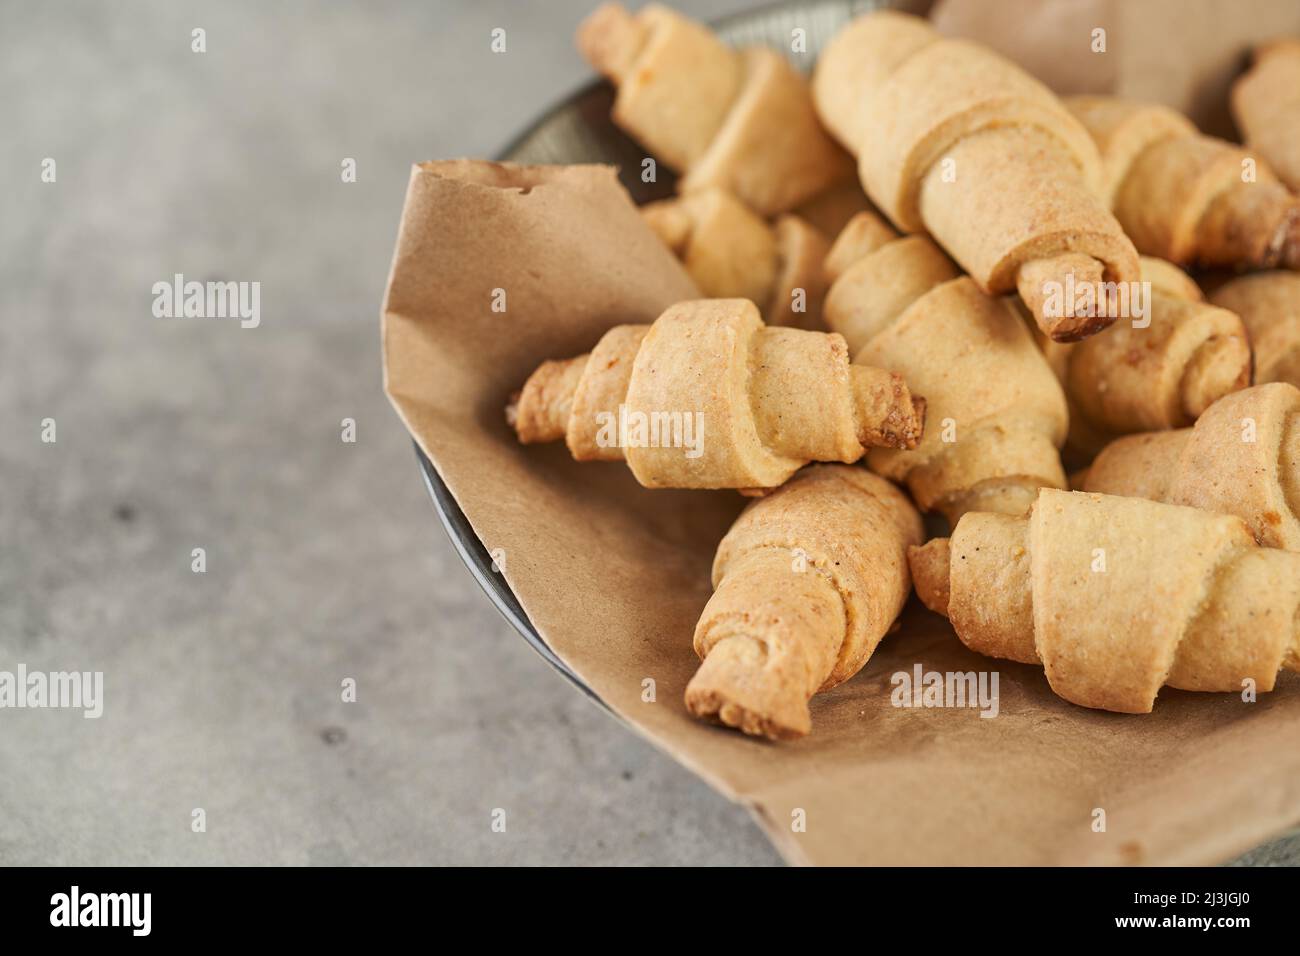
{"x": 1183, "y": 53}
{"x": 613, "y": 576}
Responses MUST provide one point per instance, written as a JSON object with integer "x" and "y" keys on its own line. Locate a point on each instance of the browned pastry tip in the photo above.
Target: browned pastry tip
{"x": 733, "y": 687}
{"x": 1043, "y": 285}
{"x": 888, "y": 414}
{"x": 913, "y": 428}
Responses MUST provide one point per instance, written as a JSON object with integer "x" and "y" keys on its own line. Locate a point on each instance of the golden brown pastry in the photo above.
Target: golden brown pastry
{"x": 996, "y": 414}
{"x": 1266, "y": 106}
{"x": 808, "y": 580}
{"x": 956, "y": 141}
{"x": 731, "y": 253}
{"x": 1241, "y": 458}
{"x": 709, "y": 397}
{"x": 1117, "y": 597}
{"x": 1269, "y": 305}
{"x": 1158, "y": 371}
{"x": 739, "y": 120}
{"x": 831, "y": 209}
{"x": 1189, "y": 198}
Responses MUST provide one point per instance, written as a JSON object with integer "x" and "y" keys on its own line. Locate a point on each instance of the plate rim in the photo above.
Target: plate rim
{"x": 475, "y": 556}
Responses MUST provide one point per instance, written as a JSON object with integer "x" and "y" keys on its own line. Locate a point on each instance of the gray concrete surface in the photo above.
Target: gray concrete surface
{"x": 324, "y": 559}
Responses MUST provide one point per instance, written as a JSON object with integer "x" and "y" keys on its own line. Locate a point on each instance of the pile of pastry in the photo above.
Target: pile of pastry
{"x": 1008, "y": 318}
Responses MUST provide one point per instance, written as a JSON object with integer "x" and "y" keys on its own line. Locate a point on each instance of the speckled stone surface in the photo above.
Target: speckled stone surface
{"x": 324, "y": 560}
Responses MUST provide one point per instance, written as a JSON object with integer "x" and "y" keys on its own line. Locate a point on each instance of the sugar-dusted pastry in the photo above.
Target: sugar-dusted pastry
{"x": 1269, "y": 305}
{"x": 1117, "y": 597}
{"x": 996, "y": 414}
{"x": 1241, "y": 458}
{"x": 740, "y": 120}
{"x": 956, "y": 141}
{"x": 1189, "y": 198}
{"x": 808, "y": 580}
{"x": 709, "y": 397}
{"x": 732, "y": 253}
{"x": 1266, "y": 106}
{"x": 1157, "y": 371}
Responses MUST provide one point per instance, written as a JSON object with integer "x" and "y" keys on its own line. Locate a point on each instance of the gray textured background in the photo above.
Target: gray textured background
{"x": 325, "y": 560}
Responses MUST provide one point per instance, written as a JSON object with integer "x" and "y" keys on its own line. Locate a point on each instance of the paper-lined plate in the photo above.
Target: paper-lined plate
{"x": 579, "y": 130}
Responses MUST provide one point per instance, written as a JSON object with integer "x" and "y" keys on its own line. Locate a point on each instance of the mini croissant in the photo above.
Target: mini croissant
{"x": 1242, "y": 458}
{"x": 1189, "y": 198}
{"x": 709, "y": 397}
{"x": 1266, "y": 106}
{"x": 1117, "y": 597}
{"x": 1269, "y": 305}
{"x": 739, "y": 120}
{"x": 1157, "y": 371}
{"x": 956, "y": 141}
{"x": 732, "y": 253}
{"x": 997, "y": 414}
{"x": 808, "y": 580}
